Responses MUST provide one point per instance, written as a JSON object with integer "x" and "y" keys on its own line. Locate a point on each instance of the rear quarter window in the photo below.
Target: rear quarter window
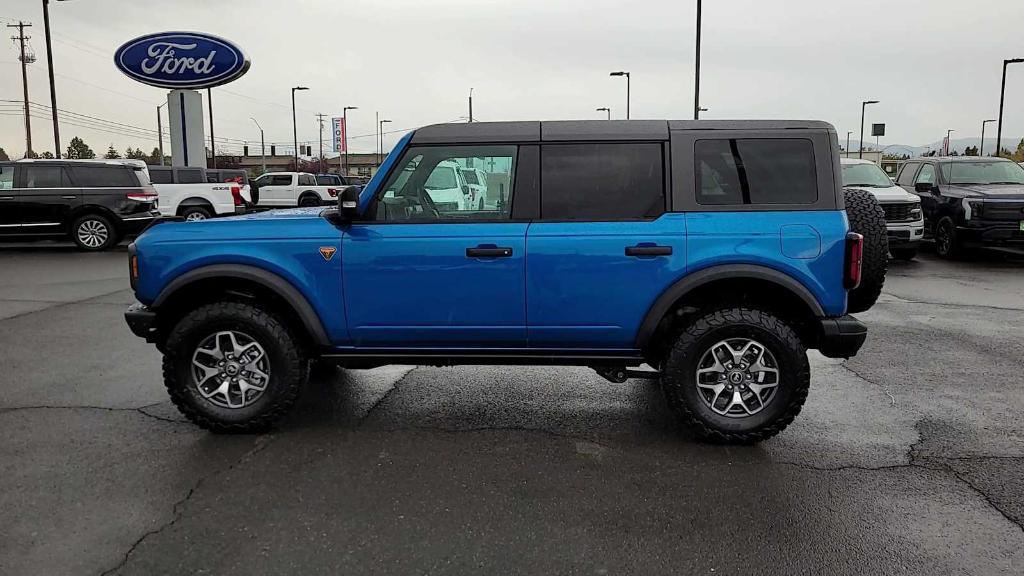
{"x": 744, "y": 171}
{"x": 105, "y": 177}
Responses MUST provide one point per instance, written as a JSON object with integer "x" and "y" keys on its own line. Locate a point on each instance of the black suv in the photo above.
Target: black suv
{"x": 95, "y": 202}
{"x": 968, "y": 201}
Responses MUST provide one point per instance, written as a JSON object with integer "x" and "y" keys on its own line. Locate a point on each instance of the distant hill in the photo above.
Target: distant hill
{"x": 959, "y": 144}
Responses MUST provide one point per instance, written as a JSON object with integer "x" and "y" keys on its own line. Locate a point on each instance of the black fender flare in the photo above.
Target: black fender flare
{"x": 283, "y": 288}
{"x": 700, "y": 278}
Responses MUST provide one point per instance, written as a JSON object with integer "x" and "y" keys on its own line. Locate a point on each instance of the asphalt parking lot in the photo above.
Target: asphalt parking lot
{"x": 906, "y": 459}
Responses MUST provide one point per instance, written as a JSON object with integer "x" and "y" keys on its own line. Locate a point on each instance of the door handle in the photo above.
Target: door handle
{"x": 69, "y": 197}
{"x": 488, "y": 252}
{"x": 641, "y": 250}
{"x": 6, "y": 197}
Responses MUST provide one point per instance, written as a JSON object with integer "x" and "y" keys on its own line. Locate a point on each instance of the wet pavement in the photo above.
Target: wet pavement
{"x": 906, "y": 459}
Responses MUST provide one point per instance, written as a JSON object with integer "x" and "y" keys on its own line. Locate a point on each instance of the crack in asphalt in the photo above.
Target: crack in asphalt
{"x": 385, "y": 396}
{"x": 68, "y": 303}
{"x": 178, "y": 509}
{"x": 901, "y": 300}
{"x": 892, "y": 399}
{"x": 140, "y": 410}
{"x": 984, "y": 495}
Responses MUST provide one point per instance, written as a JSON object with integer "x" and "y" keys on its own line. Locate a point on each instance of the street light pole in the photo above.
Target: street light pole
{"x": 53, "y": 89}
{"x": 263, "y": 149}
{"x": 1002, "y": 97}
{"x": 863, "y": 105}
{"x": 295, "y": 130}
{"x": 344, "y": 135}
{"x": 948, "y": 141}
{"x": 848, "y": 132}
{"x": 213, "y": 149}
{"x": 626, "y": 74}
{"x": 982, "y": 152}
{"x": 470, "y": 104}
{"x": 380, "y": 132}
{"x": 696, "y": 71}
{"x": 608, "y": 110}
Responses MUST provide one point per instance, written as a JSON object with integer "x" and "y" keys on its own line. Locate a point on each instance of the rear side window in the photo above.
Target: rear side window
{"x": 307, "y": 180}
{"x": 193, "y": 176}
{"x": 602, "y": 181}
{"x": 161, "y": 176}
{"x": 280, "y": 180}
{"x": 326, "y": 181}
{"x": 38, "y": 176}
{"x": 105, "y": 177}
{"x": 906, "y": 177}
{"x": 755, "y": 171}
{"x": 6, "y": 177}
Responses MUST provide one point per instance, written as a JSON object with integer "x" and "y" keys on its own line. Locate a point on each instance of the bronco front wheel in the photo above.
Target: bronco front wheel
{"x": 233, "y": 367}
{"x": 736, "y": 376}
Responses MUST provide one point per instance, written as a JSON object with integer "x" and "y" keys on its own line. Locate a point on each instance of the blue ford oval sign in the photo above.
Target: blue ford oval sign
{"x": 185, "y": 60}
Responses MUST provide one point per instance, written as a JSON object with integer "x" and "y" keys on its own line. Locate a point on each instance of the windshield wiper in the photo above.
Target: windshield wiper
{"x": 866, "y": 185}
{"x": 1018, "y": 183}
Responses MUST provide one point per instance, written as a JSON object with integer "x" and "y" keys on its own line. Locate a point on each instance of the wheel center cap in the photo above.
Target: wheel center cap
{"x": 231, "y": 369}
{"x": 736, "y": 377}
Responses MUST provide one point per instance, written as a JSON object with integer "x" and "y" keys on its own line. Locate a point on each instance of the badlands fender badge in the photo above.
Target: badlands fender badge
{"x": 328, "y": 252}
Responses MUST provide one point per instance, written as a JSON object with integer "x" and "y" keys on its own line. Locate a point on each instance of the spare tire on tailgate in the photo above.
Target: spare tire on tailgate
{"x": 868, "y": 219}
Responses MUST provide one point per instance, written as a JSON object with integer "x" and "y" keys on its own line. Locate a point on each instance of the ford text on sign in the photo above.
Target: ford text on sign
{"x": 181, "y": 60}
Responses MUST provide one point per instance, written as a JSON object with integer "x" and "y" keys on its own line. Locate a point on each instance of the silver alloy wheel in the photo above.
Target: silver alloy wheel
{"x": 737, "y": 377}
{"x": 230, "y": 369}
{"x": 195, "y": 216}
{"x": 92, "y": 233}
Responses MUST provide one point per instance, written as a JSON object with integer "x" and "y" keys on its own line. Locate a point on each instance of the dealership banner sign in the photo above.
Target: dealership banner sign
{"x": 181, "y": 60}
{"x": 339, "y": 134}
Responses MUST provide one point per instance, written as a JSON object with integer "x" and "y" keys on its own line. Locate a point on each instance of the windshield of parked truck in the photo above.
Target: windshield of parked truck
{"x": 442, "y": 178}
{"x": 865, "y": 176}
{"x": 982, "y": 173}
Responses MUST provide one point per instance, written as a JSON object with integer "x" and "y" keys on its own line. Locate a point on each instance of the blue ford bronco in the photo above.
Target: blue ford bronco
{"x": 714, "y": 252}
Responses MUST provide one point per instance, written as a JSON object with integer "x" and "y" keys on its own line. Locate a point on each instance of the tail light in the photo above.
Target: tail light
{"x": 854, "y": 260}
{"x": 141, "y": 196}
{"x": 333, "y": 192}
{"x": 236, "y": 195}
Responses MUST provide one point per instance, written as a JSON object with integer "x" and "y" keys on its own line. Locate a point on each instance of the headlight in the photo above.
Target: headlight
{"x": 972, "y": 208}
{"x": 915, "y": 211}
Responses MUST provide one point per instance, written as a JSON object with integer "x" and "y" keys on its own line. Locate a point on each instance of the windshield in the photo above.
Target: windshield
{"x": 983, "y": 173}
{"x": 442, "y": 178}
{"x": 865, "y": 175}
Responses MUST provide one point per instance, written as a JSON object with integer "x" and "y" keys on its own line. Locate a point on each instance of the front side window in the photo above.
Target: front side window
{"x": 602, "y": 181}
{"x": 280, "y": 180}
{"x": 927, "y": 175}
{"x": 755, "y": 171}
{"x": 429, "y": 184}
{"x": 6, "y": 177}
{"x": 906, "y": 177}
{"x": 37, "y": 176}
{"x": 983, "y": 173}
{"x": 105, "y": 177}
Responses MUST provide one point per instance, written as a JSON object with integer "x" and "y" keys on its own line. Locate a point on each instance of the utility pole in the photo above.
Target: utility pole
{"x": 320, "y": 118}
{"x": 53, "y": 88}
{"x": 696, "y": 71}
{"x": 470, "y": 104}
{"x": 213, "y": 151}
{"x": 160, "y": 133}
{"x": 24, "y": 82}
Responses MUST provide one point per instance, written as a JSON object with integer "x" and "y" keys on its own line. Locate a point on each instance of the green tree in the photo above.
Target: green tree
{"x": 111, "y": 153}
{"x": 47, "y": 155}
{"x": 154, "y": 158}
{"x": 3, "y": 155}
{"x": 31, "y": 154}
{"x": 971, "y": 151}
{"x": 136, "y": 154}
{"x": 79, "y": 150}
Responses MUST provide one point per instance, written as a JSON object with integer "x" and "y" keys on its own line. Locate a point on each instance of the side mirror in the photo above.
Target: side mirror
{"x": 924, "y": 187}
{"x": 348, "y": 203}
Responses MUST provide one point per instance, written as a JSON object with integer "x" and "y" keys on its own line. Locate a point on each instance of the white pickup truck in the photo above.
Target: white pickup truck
{"x": 293, "y": 189}
{"x": 188, "y": 192}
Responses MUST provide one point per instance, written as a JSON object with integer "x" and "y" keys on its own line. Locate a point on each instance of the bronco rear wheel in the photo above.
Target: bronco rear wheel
{"x": 233, "y": 367}
{"x": 736, "y": 376}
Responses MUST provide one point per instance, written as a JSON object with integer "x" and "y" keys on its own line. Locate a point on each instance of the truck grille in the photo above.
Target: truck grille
{"x": 1003, "y": 211}
{"x": 901, "y": 212}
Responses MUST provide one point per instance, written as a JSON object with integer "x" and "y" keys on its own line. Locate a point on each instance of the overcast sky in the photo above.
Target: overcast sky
{"x": 933, "y": 64}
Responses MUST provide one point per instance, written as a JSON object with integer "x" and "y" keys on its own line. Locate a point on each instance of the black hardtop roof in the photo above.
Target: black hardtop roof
{"x": 576, "y": 130}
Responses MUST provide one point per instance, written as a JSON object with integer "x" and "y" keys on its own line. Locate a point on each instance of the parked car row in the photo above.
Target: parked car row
{"x": 961, "y": 202}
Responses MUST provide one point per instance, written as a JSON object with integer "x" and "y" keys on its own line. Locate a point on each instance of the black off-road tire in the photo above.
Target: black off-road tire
{"x": 309, "y": 199}
{"x": 868, "y": 219}
{"x": 947, "y": 244}
{"x": 289, "y": 367}
{"x": 679, "y": 380}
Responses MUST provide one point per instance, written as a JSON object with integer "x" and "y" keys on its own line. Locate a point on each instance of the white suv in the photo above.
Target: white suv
{"x": 903, "y": 216}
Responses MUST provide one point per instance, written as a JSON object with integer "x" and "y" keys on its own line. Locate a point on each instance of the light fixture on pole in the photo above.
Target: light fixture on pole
{"x": 608, "y": 110}
{"x": 982, "y": 151}
{"x": 295, "y": 130}
{"x": 863, "y": 105}
{"x": 1002, "y": 97}
{"x": 263, "y": 149}
{"x": 344, "y": 134}
{"x": 626, "y": 74}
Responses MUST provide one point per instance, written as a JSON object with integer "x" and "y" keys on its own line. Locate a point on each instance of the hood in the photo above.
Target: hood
{"x": 274, "y": 224}
{"x": 280, "y": 214}
{"x": 1001, "y": 191}
{"x": 887, "y": 195}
